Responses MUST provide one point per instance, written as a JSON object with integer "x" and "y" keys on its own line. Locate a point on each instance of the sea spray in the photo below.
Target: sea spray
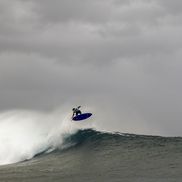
{"x": 24, "y": 134}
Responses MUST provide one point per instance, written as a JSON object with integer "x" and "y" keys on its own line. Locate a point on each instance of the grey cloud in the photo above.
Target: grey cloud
{"x": 68, "y": 10}
{"x": 172, "y": 7}
{"x": 121, "y": 57}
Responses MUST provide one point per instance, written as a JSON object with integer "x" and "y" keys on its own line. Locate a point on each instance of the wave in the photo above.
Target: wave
{"x": 93, "y": 140}
{"x": 24, "y": 134}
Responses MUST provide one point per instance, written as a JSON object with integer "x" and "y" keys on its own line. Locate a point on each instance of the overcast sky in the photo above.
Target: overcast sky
{"x": 122, "y": 58}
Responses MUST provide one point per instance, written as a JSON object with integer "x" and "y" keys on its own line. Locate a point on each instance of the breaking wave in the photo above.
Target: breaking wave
{"x": 24, "y": 134}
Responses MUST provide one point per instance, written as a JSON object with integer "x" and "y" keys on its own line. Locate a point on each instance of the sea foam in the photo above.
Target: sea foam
{"x": 24, "y": 134}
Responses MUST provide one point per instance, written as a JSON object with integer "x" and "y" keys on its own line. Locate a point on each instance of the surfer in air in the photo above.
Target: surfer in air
{"x": 76, "y": 111}
{"x": 78, "y": 115}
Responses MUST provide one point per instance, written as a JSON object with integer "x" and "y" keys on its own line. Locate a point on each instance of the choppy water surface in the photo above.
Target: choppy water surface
{"x": 97, "y": 156}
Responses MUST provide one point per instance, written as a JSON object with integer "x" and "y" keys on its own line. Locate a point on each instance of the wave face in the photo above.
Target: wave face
{"x": 100, "y": 156}
{"x": 61, "y": 150}
{"x": 105, "y": 141}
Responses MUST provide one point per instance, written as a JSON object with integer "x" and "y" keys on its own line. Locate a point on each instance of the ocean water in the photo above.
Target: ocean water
{"x": 80, "y": 154}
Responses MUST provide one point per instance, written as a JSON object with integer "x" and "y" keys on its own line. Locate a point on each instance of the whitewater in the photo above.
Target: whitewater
{"x": 46, "y": 147}
{"x": 24, "y": 134}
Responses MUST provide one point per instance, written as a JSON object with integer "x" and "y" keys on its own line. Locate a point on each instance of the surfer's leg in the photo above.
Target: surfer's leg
{"x": 78, "y": 112}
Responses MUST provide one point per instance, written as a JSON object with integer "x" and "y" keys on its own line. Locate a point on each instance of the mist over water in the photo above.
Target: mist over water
{"x": 24, "y": 134}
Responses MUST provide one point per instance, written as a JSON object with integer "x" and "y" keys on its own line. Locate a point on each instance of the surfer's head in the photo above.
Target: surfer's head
{"x": 73, "y": 109}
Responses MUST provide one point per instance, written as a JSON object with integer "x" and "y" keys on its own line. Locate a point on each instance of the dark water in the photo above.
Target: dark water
{"x": 104, "y": 157}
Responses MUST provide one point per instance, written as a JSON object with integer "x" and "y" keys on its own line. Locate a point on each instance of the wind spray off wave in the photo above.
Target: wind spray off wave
{"x": 24, "y": 134}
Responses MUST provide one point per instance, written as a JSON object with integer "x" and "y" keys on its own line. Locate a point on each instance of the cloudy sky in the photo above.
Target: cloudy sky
{"x": 122, "y": 58}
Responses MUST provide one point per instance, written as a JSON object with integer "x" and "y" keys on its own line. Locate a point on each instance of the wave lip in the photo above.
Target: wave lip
{"x": 96, "y": 139}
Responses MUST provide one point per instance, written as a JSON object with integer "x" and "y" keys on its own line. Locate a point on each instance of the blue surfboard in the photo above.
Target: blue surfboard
{"x": 81, "y": 116}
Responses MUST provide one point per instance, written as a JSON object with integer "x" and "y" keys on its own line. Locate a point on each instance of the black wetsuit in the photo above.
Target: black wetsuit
{"x": 76, "y": 112}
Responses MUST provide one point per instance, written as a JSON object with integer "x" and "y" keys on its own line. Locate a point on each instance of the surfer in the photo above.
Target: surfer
{"x": 76, "y": 111}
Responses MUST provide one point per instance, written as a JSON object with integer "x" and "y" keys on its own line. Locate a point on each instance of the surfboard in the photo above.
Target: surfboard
{"x": 81, "y": 116}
